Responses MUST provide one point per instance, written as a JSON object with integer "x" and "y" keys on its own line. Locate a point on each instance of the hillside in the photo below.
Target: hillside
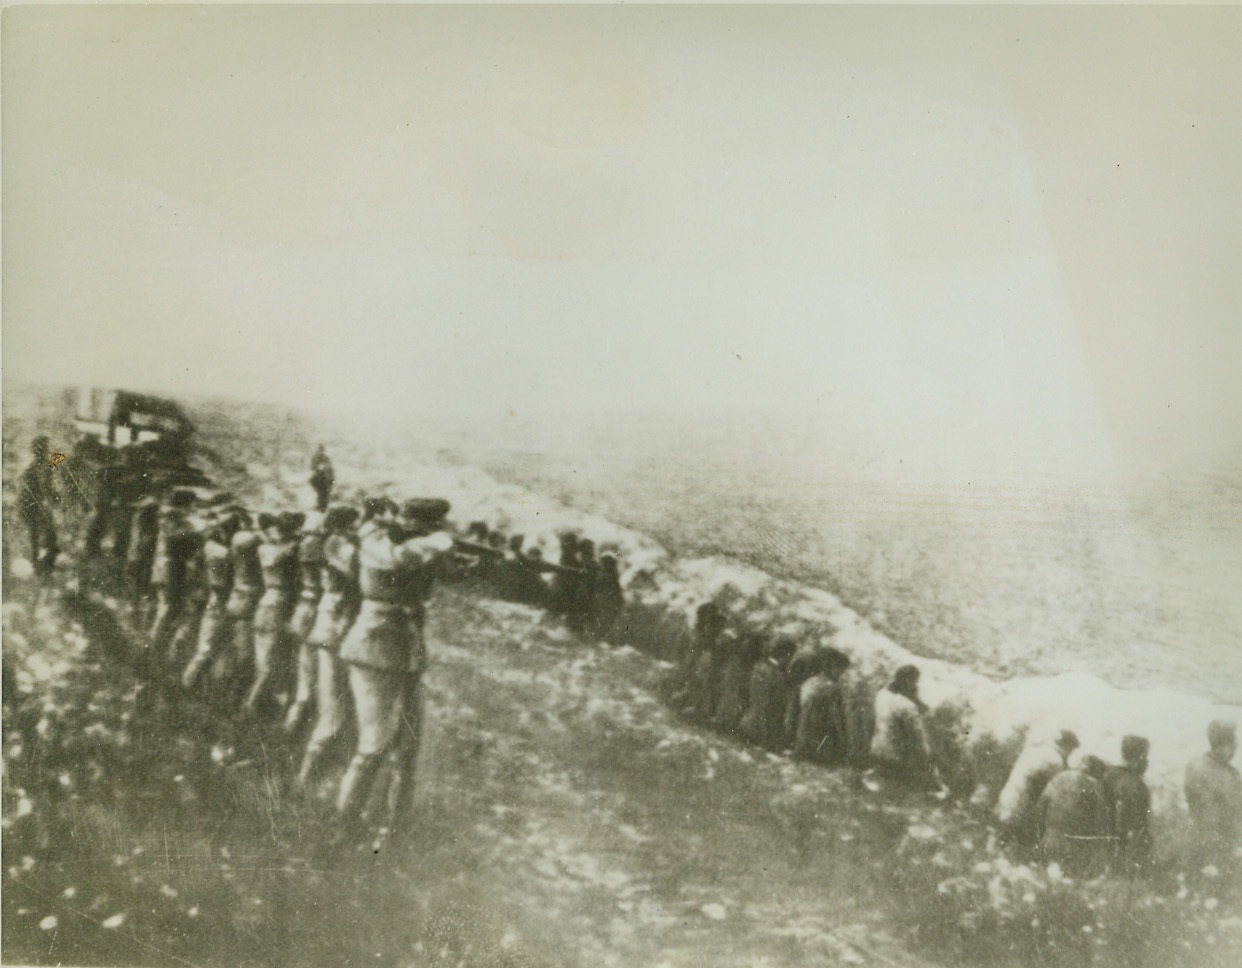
{"x": 564, "y": 816}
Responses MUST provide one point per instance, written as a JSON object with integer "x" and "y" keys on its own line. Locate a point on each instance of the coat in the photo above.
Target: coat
{"x": 1214, "y": 798}
{"x": 1074, "y": 820}
{"x": 764, "y": 722}
{"x": 821, "y": 734}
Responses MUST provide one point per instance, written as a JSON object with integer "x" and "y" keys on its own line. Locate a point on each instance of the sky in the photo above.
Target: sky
{"x": 1009, "y": 235}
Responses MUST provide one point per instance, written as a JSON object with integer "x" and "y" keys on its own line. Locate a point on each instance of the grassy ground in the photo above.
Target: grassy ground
{"x": 563, "y": 817}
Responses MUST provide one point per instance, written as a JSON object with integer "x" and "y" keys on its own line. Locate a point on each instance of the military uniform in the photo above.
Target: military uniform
{"x": 385, "y": 651}
{"x": 36, "y": 496}
{"x": 238, "y": 667}
{"x": 272, "y": 661}
{"x": 764, "y": 722}
{"x": 336, "y": 611}
{"x": 216, "y": 630}
{"x": 310, "y": 568}
{"x": 179, "y": 545}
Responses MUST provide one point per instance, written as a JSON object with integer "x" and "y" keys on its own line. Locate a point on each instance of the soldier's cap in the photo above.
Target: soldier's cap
{"x": 568, "y": 537}
{"x": 340, "y": 516}
{"x": 290, "y": 521}
{"x": 181, "y": 498}
{"x": 1222, "y": 732}
{"x": 268, "y": 520}
{"x": 426, "y": 509}
{"x": 1134, "y": 748}
{"x": 1067, "y": 739}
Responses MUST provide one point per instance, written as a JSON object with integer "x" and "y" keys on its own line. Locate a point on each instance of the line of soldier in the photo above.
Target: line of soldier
{"x": 288, "y": 616}
{"x": 313, "y": 621}
{"x": 768, "y": 691}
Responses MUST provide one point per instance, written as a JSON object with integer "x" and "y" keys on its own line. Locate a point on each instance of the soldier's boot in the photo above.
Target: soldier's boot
{"x": 356, "y": 786}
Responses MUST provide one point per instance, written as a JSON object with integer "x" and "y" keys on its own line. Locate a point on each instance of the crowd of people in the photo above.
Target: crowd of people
{"x": 314, "y": 621}
{"x": 1088, "y": 818}
{"x": 308, "y": 621}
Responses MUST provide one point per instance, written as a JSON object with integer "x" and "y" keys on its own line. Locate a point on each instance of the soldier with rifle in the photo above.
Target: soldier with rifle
{"x": 399, "y": 559}
{"x": 336, "y": 611}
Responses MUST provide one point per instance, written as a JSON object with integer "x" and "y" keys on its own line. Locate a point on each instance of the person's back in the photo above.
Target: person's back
{"x": 899, "y": 746}
{"x": 1214, "y": 798}
{"x": 764, "y": 722}
{"x": 1075, "y": 821}
{"x": 734, "y": 691}
{"x": 822, "y": 733}
{"x": 1038, "y": 763}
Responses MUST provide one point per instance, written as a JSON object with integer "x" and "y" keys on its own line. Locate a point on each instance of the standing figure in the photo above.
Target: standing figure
{"x": 563, "y": 582}
{"x": 234, "y": 675}
{"x": 821, "y": 734}
{"x": 764, "y": 722}
{"x": 140, "y": 560}
{"x": 709, "y": 625}
{"x": 36, "y": 497}
{"x": 1074, "y": 821}
{"x": 338, "y": 607}
{"x": 1214, "y": 798}
{"x": 386, "y": 651}
{"x": 1038, "y": 763}
{"x": 322, "y": 479}
{"x": 310, "y": 567}
{"x": 899, "y": 747}
{"x": 278, "y": 557}
{"x": 581, "y": 618}
{"x": 1129, "y": 801}
{"x": 179, "y": 545}
{"x": 609, "y": 599}
{"x": 215, "y": 635}
{"x": 734, "y": 693}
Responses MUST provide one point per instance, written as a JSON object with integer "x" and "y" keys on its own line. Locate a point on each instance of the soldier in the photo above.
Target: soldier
{"x": 899, "y": 747}
{"x": 36, "y": 496}
{"x": 310, "y": 567}
{"x": 215, "y": 636}
{"x": 1074, "y": 822}
{"x": 107, "y": 492}
{"x": 1214, "y": 798}
{"x": 338, "y": 607}
{"x": 764, "y": 722}
{"x": 386, "y": 651}
{"x": 1129, "y": 801}
{"x": 278, "y": 558}
{"x": 233, "y": 675}
{"x": 140, "y": 560}
{"x": 1038, "y": 763}
{"x": 172, "y": 575}
{"x": 822, "y": 734}
{"x": 322, "y": 479}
